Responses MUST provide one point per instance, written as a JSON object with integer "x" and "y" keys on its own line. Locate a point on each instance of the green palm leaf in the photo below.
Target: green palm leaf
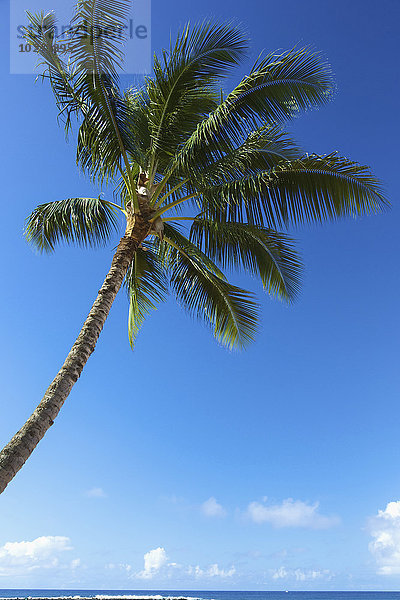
{"x": 81, "y": 221}
{"x": 203, "y": 291}
{"x": 93, "y": 49}
{"x": 41, "y": 35}
{"x": 104, "y": 136}
{"x": 138, "y": 123}
{"x": 181, "y": 92}
{"x": 278, "y": 87}
{"x": 320, "y": 188}
{"x": 146, "y": 284}
{"x": 89, "y": 84}
{"x": 264, "y": 253}
{"x": 262, "y": 149}
{"x": 102, "y": 140}
{"x": 311, "y": 189}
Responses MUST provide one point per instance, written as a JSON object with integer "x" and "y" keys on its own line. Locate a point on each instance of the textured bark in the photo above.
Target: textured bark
{"x": 14, "y": 455}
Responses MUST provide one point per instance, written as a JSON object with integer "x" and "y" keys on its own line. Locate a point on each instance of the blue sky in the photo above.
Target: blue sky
{"x": 181, "y": 465}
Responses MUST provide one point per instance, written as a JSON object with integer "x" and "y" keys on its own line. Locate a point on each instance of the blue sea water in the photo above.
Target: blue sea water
{"x": 191, "y": 595}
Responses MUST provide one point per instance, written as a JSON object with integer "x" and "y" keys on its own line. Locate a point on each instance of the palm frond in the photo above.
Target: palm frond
{"x": 264, "y": 253}
{"x": 181, "y": 92}
{"x": 203, "y": 291}
{"x": 278, "y": 87}
{"x": 41, "y": 35}
{"x": 320, "y": 188}
{"x": 88, "y": 84}
{"x": 146, "y": 285}
{"x": 121, "y": 192}
{"x": 311, "y": 189}
{"x": 263, "y": 149}
{"x": 81, "y": 221}
{"x": 104, "y": 136}
{"x": 139, "y": 148}
{"x": 96, "y": 44}
{"x": 186, "y": 245}
{"x": 104, "y": 140}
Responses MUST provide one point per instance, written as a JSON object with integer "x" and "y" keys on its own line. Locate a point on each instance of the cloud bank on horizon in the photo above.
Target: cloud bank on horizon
{"x": 52, "y": 554}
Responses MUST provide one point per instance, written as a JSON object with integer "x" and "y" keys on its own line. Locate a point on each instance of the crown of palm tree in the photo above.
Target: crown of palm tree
{"x": 178, "y": 152}
{"x": 215, "y": 177}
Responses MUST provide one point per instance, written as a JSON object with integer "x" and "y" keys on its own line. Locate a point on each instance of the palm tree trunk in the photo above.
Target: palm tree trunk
{"x": 14, "y": 455}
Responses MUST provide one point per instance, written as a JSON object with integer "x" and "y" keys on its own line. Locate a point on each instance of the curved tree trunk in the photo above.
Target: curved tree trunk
{"x": 14, "y": 455}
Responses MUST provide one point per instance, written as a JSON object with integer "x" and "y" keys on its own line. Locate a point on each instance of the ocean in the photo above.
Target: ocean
{"x": 23, "y": 594}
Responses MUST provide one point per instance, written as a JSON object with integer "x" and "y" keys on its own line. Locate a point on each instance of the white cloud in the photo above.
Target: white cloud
{"x": 385, "y": 531}
{"x": 42, "y": 553}
{"x": 300, "y": 574}
{"x": 212, "y": 571}
{"x": 154, "y": 560}
{"x": 121, "y": 566}
{"x": 290, "y": 513}
{"x": 155, "y": 564}
{"x": 96, "y": 492}
{"x": 211, "y": 508}
{"x": 215, "y": 571}
{"x": 75, "y": 563}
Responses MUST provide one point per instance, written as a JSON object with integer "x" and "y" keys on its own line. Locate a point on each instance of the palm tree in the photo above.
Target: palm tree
{"x": 181, "y": 153}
